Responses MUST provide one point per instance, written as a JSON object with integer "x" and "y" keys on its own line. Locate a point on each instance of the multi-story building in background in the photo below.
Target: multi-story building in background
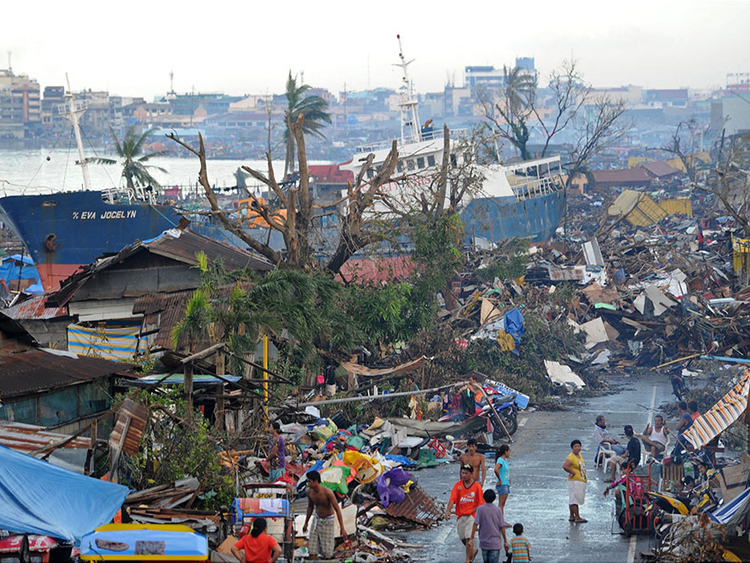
{"x": 20, "y": 106}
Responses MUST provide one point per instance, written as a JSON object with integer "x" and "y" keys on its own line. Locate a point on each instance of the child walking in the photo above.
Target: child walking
{"x": 520, "y": 546}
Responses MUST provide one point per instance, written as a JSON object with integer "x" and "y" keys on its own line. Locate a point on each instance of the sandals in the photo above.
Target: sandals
{"x": 581, "y": 521}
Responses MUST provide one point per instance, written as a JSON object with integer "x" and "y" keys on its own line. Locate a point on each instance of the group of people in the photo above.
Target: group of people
{"x": 654, "y": 438}
{"x": 476, "y": 512}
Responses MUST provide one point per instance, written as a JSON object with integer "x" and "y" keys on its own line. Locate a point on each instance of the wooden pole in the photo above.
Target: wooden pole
{"x": 265, "y": 375}
{"x": 188, "y": 386}
{"x": 494, "y": 412}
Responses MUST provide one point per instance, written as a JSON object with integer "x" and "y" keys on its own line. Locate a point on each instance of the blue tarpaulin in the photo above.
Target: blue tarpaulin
{"x": 39, "y": 498}
{"x": 514, "y": 326}
{"x": 13, "y": 268}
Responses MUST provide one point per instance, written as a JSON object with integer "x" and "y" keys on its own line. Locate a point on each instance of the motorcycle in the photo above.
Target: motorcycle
{"x": 507, "y": 411}
{"x": 678, "y": 383}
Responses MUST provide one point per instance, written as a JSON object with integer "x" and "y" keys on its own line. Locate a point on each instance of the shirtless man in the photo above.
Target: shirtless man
{"x": 656, "y": 437}
{"x": 322, "y": 540}
{"x": 471, "y": 457}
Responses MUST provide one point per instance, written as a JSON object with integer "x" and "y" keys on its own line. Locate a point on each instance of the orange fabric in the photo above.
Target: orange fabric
{"x": 467, "y": 500}
{"x": 257, "y": 550}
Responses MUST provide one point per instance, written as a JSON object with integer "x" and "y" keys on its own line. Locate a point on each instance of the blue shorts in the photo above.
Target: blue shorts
{"x": 503, "y": 489}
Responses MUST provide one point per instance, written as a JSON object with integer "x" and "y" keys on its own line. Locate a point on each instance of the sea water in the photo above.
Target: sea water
{"x": 35, "y": 171}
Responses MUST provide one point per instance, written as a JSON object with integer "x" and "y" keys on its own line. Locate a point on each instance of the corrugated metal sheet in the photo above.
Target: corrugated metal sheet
{"x": 34, "y": 309}
{"x": 27, "y": 438}
{"x": 138, "y": 416}
{"x": 39, "y": 370}
{"x": 417, "y": 506}
{"x": 678, "y": 206}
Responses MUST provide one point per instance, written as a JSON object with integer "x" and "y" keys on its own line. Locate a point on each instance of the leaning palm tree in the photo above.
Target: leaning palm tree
{"x": 133, "y": 159}
{"x": 313, "y": 110}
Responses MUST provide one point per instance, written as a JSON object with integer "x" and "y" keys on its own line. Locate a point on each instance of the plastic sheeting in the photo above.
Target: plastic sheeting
{"x": 39, "y": 498}
{"x": 390, "y": 486}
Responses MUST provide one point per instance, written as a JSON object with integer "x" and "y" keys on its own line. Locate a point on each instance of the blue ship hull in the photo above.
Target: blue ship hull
{"x": 498, "y": 219}
{"x": 65, "y": 230}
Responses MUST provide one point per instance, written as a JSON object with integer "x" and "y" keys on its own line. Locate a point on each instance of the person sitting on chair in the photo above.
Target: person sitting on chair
{"x": 655, "y": 437}
{"x": 603, "y": 437}
{"x": 632, "y": 453}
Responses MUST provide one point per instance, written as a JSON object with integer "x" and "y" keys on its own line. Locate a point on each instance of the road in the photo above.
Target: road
{"x": 539, "y": 496}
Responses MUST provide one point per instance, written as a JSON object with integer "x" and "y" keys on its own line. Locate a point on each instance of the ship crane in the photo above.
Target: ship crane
{"x": 411, "y": 131}
{"x": 73, "y": 110}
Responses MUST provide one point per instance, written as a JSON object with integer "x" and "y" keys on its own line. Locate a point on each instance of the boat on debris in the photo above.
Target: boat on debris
{"x": 521, "y": 200}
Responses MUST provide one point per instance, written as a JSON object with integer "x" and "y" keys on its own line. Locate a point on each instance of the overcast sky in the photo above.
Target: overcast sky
{"x": 248, "y": 47}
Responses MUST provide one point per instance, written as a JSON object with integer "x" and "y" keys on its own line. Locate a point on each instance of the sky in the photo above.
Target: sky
{"x": 238, "y": 48}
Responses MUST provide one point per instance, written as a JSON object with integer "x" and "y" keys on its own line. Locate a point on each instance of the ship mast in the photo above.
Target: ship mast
{"x": 74, "y": 110}
{"x": 411, "y": 128}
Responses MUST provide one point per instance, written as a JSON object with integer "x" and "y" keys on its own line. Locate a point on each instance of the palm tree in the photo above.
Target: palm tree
{"x": 313, "y": 110}
{"x": 133, "y": 159}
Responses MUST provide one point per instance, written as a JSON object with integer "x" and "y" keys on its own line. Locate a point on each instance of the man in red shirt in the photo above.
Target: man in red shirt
{"x": 466, "y": 496}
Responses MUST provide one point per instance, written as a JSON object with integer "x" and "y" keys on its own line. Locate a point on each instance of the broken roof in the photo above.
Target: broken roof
{"x": 40, "y": 370}
{"x": 660, "y": 169}
{"x": 28, "y": 438}
{"x": 627, "y": 177}
{"x": 179, "y": 245}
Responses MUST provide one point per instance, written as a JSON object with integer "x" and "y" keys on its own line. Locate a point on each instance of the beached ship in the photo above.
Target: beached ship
{"x": 523, "y": 199}
{"x": 64, "y": 230}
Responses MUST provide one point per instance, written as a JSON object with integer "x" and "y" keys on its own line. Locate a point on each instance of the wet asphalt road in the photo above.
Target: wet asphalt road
{"x": 539, "y": 497}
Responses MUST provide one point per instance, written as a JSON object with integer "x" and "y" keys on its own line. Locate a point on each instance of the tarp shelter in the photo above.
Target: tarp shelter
{"x": 111, "y": 343}
{"x": 713, "y": 422}
{"x": 17, "y": 267}
{"x": 39, "y": 498}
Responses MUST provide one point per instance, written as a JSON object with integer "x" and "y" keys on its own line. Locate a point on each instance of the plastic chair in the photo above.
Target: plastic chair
{"x": 603, "y": 454}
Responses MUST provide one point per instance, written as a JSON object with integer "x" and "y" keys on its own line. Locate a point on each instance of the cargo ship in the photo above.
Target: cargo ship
{"x": 519, "y": 200}
{"x": 63, "y": 230}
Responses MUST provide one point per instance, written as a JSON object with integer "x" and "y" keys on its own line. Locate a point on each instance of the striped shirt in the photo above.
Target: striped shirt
{"x": 520, "y": 546}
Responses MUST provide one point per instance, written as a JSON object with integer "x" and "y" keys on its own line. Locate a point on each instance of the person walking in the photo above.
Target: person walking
{"x": 276, "y": 455}
{"x": 321, "y": 500}
{"x": 575, "y": 467}
{"x": 258, "y": 546}
{"x": 520, "y": 546}
{"x": 466, "y": 496}
{"x": 491, "y": 524}
{"x": 475, "y": 459}
{"x": 502, "y": 470}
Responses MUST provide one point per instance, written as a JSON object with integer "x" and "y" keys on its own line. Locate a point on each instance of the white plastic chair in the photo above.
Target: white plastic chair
{"x": 604, "y": 454}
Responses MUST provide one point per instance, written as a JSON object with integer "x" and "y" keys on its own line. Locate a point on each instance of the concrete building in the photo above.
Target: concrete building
{"x": 20, "y": 106}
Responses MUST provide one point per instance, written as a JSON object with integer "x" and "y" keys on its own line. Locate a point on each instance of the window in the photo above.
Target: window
{"x": 453, "y": 160}
{"x": 420, "y": 162}
{"x": 400, "y": 165}
{"x": 431, "y": 160}
{"x": 410, "y": 164}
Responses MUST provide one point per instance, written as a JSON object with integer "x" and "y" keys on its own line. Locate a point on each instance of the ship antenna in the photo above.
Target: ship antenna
{"x": 409, "y": 104}
{"x": 73, "y": 110}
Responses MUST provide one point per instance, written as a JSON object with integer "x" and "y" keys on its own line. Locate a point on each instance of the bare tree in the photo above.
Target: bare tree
{"x": 729, "y": 182}
{"x": 684, "y": 145}
{"x": 293, "y": 213}
{"x": 569, "y": 96}
{"x": 508, "y": 114}
{"x": 510, "y": 117}
{"x": 601, "y": 126}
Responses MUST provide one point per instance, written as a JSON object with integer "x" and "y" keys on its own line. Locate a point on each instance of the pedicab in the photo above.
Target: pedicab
{"x": 144, "y": 542}
{"x": 272, "y": 501}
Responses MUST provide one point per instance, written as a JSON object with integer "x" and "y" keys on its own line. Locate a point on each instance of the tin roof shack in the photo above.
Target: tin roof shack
{"x": 107, "y": 289}
{"x": 48, "y": 387}
{"x": 47, "y": 325}
{"x": 102, "y": 295}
